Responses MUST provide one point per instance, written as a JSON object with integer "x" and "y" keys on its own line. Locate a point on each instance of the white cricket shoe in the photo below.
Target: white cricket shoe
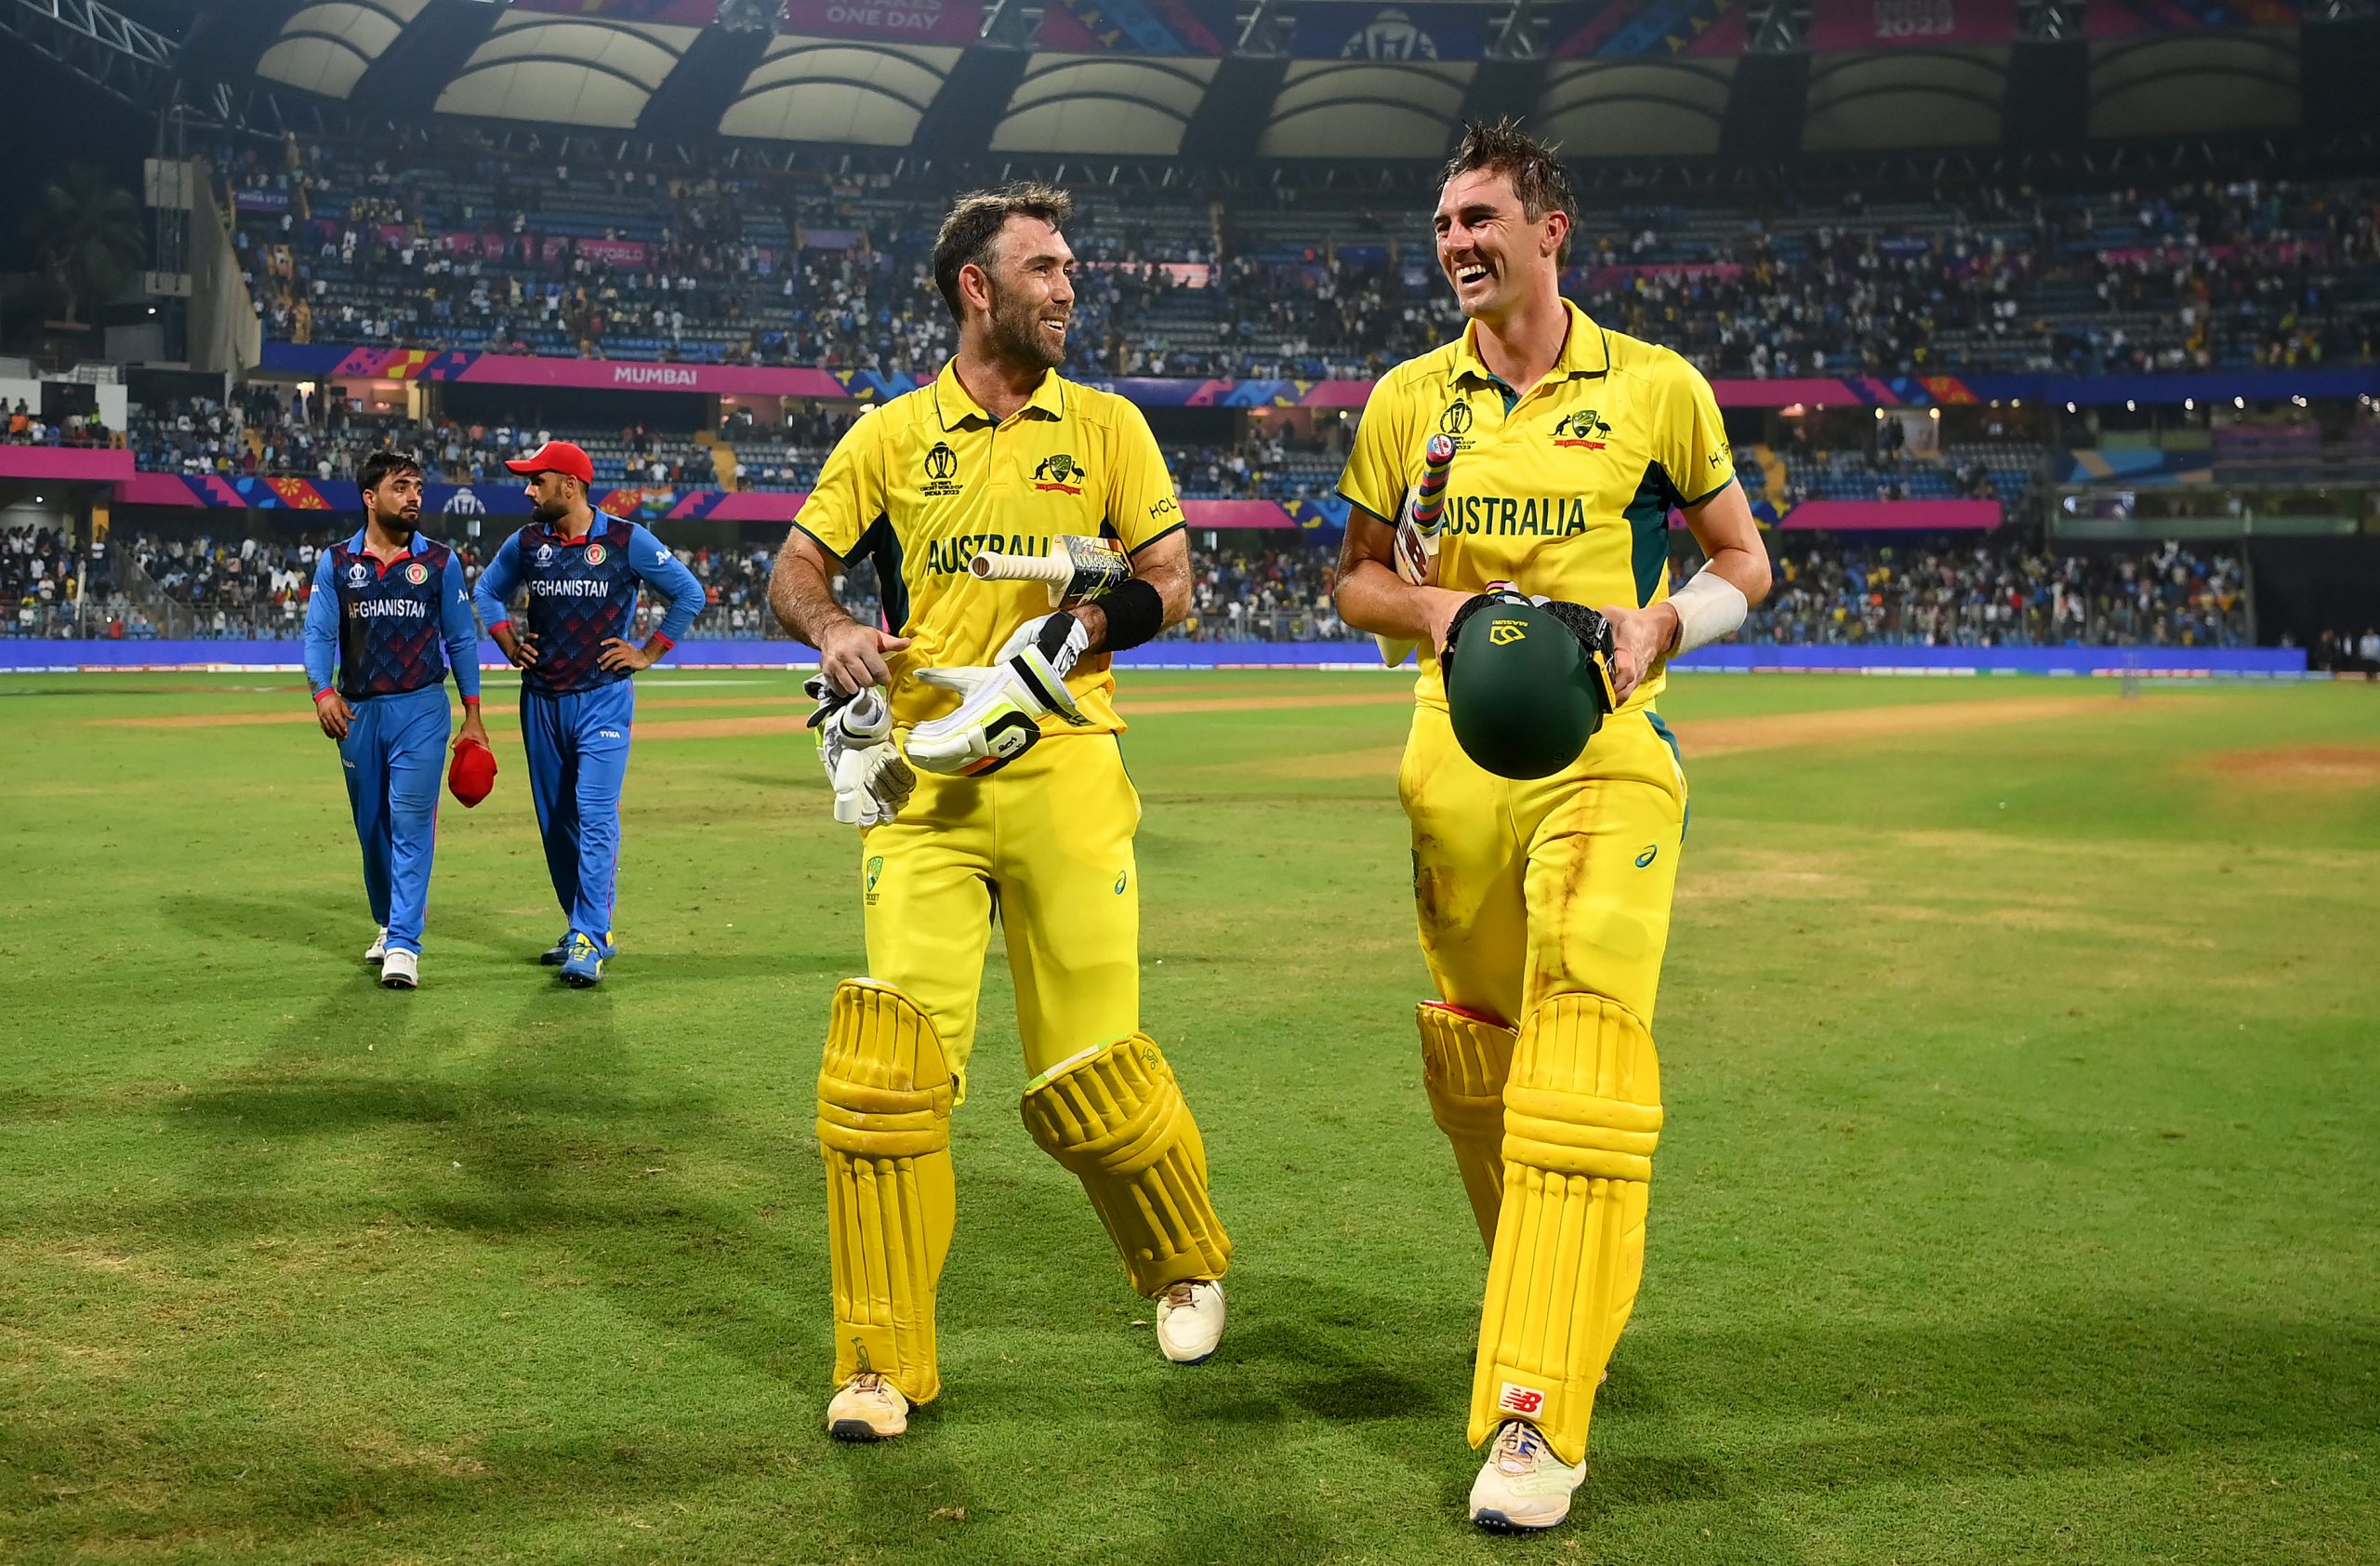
{"x": 401, "y": 970}
{"x": 378, "y": 950}
{"x": 1190, "y": 1320}
{"x": 867, "y": 1408}
{"x": 1523, "y": 1486}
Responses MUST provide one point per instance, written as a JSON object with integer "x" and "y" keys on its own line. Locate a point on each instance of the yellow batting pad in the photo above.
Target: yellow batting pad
{"x": 884, "y": 1095}
{"x": 1116, "y": 1117}
{"x": 1464, "y": 1062}
{"x": 1583, "y": 1113}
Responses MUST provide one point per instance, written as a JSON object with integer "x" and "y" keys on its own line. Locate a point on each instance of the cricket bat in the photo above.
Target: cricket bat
{"x": 1417, "y": 531}
{"x": 1077, "y": 570}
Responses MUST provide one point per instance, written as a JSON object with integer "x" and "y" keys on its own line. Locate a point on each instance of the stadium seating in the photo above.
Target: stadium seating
{"x": 436, "y": 243}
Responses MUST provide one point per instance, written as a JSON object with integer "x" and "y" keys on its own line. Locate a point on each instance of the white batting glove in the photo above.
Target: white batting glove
{"x": 1001, "y": 705}
{"x": 864, "y": 764}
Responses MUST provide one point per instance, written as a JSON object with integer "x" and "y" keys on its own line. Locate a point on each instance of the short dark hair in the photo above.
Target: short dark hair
{"x": 383, "y": 465}
{"x": 1537, "y": 175}
{"x": 977, "y": 220}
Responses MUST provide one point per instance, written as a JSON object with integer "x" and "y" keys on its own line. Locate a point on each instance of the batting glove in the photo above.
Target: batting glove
{"x": 864, "y": 764}
{"x": 1001, "y": 705}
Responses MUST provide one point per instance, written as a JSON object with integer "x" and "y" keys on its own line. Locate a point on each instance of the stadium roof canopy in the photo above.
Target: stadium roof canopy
{"x": 1225, "y": 80}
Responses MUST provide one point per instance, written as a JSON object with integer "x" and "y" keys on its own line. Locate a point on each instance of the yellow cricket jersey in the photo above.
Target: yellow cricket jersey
{"x": 1564, "y": 489}
{"x": 922, "y": 483}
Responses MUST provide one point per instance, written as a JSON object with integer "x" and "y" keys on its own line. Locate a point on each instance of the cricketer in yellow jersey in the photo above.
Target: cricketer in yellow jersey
{"x": 1021, "y": 810}
{"x": 1544, "y": 905}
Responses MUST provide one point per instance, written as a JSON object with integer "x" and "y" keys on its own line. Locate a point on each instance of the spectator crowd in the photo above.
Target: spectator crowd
{"x": 443, "y": 240}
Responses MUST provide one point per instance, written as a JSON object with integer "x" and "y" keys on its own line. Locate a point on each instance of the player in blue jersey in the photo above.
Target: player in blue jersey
{"x": 580, "y": 569}
{"x": 388, "y": 616}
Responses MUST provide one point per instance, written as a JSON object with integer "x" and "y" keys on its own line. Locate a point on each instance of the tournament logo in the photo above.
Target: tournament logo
{"x": 942, "y": 471}
{"x": 1456, "y": 420}
{"x": 357, "y": 575}
{"x": 544, "y": 554}
{"x": 1390, "y": 34}
{"x": 597, "y": 554}
{"x": 1055, "y": 472}
{"x": 416, "y": 572}
{"x": 1503, "y": 634}
{"x": 1586, "y": 430}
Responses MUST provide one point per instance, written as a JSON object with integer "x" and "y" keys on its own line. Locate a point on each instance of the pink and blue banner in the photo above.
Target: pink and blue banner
{"x": 65, "y": 464}
{"x": 340, "y": 362}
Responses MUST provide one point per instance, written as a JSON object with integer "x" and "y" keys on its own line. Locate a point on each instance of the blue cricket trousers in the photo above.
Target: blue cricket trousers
{"x": 579, "y": 761}
{"x": 394, "y": 757}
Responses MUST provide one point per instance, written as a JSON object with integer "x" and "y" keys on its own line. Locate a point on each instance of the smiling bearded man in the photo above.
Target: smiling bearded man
{"x": 1018, "y": 808}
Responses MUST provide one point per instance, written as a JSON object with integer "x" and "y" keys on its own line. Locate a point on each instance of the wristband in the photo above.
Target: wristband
{"x": 1135, "y": 614}
{"x": 470, "y": 702}
{"x": 657, "y": 644}
{"x": 327, "y": 690}
{"x": 1708, "y": 607}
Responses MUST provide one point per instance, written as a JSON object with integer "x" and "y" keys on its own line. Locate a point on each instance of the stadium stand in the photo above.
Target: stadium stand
{"x": 436, "y": 241}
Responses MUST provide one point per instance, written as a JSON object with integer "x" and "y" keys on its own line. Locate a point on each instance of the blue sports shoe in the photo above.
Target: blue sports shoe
{"x": 583, "y": 968}
{"x": 559, "y": 953}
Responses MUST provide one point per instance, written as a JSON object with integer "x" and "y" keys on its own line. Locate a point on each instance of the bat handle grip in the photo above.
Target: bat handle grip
{"x": 991, "y": 567}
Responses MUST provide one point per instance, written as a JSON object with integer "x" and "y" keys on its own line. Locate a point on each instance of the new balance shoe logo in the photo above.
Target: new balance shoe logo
{"x": 1527, "y": 1401}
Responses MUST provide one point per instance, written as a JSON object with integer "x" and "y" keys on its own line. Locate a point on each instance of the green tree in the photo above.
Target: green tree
{"x": 89, "y": 234}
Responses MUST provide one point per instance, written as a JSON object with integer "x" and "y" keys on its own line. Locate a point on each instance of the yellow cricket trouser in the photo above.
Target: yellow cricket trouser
{"x": 1544, "y": 911}
{"x": 1048, "y": 844}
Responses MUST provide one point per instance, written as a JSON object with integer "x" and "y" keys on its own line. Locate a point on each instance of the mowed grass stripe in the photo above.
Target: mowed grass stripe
{"x": 2013, "y": 1202}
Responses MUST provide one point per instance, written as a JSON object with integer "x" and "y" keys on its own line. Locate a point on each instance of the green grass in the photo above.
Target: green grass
{"x": 2017, "y": 1202}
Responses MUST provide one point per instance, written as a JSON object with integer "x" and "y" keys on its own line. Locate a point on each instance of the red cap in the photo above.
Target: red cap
{"x": 471, "y": 775}
{"x": 557, "y": 457}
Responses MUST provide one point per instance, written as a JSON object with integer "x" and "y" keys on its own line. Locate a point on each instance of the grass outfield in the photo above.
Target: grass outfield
{"x": 2017, "y": 1200}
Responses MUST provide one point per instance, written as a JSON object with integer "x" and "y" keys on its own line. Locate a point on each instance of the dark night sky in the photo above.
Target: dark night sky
{"x": 55, "y": 119}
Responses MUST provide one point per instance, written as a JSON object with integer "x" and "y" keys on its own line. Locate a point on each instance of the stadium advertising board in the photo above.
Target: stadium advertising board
{"x": 931, "y": 22}
{"x": 1628, "y": 28}
{"x": 1335, "y": 30}
{"x": 1153, "y": 27}
{"x": 1898, "y": 24}
{"x": 340, "y": 362}
{"x": 2123, "y": 19}
{"x": 65, "y": 464}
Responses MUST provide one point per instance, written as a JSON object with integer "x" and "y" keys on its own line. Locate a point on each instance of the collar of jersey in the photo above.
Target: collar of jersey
{"x": 1583, "y": 351}
{"x": 954, "y": 406}
{"x": 570, "y": 543}
{"x": 356, "y": 546}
